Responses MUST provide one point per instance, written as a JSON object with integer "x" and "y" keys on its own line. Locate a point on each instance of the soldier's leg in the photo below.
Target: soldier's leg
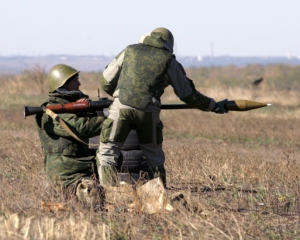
{"x": 149, "y": 132}
{"x": 108, "y": 160}
{"x": 112, "y": 137}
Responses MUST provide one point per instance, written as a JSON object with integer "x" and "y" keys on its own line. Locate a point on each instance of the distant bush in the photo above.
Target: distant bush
{"x": 37, "y": 74}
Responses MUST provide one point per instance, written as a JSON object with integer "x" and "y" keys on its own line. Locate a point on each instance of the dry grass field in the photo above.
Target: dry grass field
{"x": 237, "y": 175}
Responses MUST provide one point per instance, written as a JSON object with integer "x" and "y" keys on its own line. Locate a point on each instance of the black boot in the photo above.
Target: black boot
{"x": 159, "y": 171}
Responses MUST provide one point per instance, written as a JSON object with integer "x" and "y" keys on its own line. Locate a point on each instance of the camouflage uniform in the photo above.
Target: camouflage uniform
{"x": 136, "y": 78}
{"x": 66, "y": 159}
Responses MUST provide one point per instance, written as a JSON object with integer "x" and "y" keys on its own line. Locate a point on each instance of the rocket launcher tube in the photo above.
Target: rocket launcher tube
{"x": 71, "y": 107}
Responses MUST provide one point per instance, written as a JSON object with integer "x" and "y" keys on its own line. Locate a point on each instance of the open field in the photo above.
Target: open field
{"x": 238, "y": 172}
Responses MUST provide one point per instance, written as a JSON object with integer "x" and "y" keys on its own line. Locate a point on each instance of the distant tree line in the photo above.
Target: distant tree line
{"x": 277, "y": 77}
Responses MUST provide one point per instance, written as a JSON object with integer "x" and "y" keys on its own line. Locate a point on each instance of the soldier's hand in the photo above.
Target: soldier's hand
{"x": 83, "y": 100}
{"x": 220, "y": 107}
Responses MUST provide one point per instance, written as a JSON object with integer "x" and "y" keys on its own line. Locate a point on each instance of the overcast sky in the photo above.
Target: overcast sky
{"x": 200, "y": 27}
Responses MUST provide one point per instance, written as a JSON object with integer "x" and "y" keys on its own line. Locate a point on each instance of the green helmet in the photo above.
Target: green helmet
{"x": 59, "y": 75}
{"x": 167, "y": 34}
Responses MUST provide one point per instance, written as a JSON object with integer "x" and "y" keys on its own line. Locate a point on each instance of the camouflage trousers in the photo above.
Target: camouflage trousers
{"x": 116, "y": 128}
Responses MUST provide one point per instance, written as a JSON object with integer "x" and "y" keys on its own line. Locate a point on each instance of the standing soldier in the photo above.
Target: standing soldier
{"x": 136, "y": 79}
{"x": 68, "y": 161}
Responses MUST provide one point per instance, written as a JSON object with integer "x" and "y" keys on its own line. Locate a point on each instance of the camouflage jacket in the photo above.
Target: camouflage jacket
{"x": 141, "y": 72}
{"x": 66, "y": 159}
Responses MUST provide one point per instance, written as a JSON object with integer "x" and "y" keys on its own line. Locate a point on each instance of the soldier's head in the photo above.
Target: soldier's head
{"x": 63, "y": 75}
{"x": 168, "y": 36}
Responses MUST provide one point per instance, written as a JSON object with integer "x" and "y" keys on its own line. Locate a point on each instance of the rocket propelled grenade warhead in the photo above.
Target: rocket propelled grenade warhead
{"x": 244, "y": 105}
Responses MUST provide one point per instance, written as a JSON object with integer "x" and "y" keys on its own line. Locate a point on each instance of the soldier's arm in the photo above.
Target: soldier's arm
{"x": 109, "y": 78}
{"x": 83, "y": 127}
{"x": 185, "y": 89}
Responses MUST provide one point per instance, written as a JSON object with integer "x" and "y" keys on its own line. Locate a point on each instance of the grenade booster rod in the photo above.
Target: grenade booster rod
{"x": 232, "y": 105}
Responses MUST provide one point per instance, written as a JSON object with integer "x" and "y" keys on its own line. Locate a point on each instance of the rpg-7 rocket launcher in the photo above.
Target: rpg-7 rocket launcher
{"x": 90, "y": 106}
{"x": 71, "y": 107}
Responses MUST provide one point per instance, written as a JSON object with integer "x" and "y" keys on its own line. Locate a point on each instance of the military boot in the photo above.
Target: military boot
{"x": 160, "y": 171}
{"x": 108, "y": 176}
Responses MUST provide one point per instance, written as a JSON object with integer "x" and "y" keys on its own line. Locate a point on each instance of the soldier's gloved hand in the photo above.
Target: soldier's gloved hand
{"x": 220, "y": 107}
{"x": 83, "y": 100}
